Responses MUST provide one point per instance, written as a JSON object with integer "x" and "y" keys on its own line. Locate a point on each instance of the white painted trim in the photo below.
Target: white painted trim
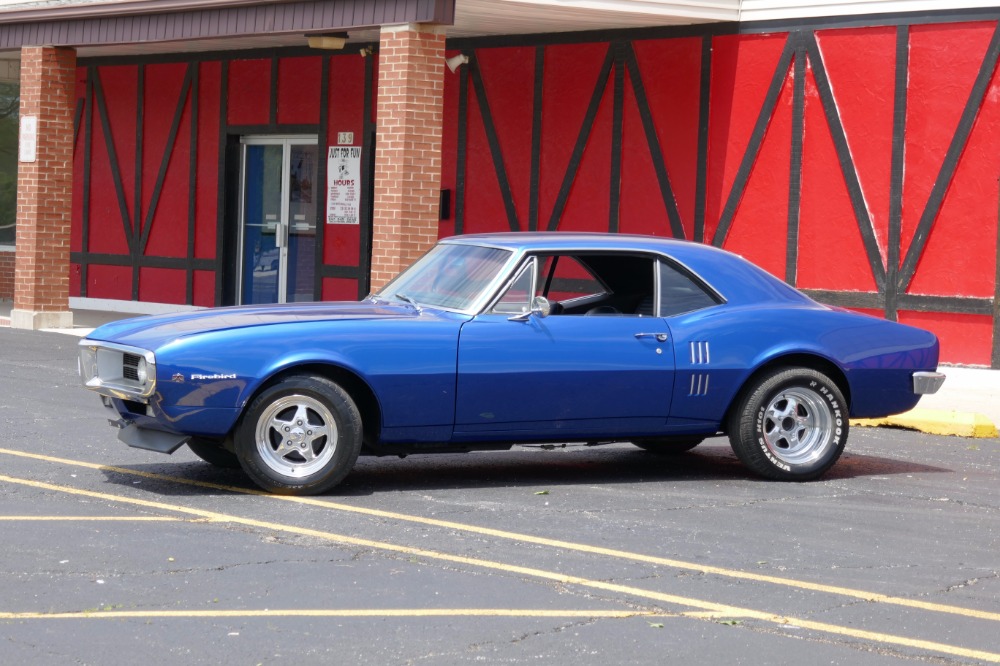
{"x": 8, "y": 248}
{"x": 773, "y": 10}
{"x": 131, "y": 307}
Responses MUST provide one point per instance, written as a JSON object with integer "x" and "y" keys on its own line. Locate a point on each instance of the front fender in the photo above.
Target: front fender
{"x": 409, "y": 365}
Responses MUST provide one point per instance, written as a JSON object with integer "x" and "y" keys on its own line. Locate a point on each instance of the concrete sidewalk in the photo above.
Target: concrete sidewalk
{"x": 967, "y": 405}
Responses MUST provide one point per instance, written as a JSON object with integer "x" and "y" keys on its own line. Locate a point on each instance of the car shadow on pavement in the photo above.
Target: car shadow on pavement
{"x": 520, "y": 467}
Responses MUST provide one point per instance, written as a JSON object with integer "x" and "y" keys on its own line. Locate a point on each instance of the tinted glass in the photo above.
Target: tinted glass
{"x": 449, "y": 276}
{"x": 679, "y": 293}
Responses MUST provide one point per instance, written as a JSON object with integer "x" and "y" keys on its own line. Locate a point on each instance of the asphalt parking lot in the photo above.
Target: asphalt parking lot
{"x": 575, "y": 555}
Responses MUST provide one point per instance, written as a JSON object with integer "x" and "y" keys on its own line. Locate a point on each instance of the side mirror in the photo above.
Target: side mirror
{"x": 540, "y": 307}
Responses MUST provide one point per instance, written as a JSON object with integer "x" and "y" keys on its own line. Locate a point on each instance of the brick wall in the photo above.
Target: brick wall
{"x": 408, "y": 147}
{"x": 44, "y": 187}
{"x": 6, "y": 275}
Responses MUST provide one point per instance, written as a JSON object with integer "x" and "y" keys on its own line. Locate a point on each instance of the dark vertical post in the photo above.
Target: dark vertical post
{"x": 795, "y": 169}
{"x": 615, "y": 180}
{"x": 896, "y": 183}
{"x": 536, "y": 137}
{"x": 703, "y": 115}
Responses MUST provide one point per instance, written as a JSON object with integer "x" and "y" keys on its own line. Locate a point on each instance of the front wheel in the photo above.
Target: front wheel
{"x": 300, "y": 436}
{"x": 790, "y": 425}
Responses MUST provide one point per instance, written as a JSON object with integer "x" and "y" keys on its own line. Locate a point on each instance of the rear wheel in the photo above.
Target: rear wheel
{"x": 669, "y": 446}
{"x": 300, "y": 436}
{"x": 213, "y": 453}
{"x": 791, "y": 425}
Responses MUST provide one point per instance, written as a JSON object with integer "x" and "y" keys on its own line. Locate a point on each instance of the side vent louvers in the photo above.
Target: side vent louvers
{"x": 700, "y": 355}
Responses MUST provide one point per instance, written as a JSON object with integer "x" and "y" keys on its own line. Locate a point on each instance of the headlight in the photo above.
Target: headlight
{"x": 141, "y": 371}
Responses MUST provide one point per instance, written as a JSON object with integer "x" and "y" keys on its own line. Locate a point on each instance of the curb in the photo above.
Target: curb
{"x": 934, "y": 422}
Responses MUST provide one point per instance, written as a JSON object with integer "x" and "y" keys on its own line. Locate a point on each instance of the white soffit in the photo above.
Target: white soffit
{"x": 771, "y": 10}
{"x": 499, "y": 17}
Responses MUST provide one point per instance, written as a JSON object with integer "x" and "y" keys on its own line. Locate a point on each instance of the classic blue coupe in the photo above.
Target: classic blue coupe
{"x": 500, "y": 339}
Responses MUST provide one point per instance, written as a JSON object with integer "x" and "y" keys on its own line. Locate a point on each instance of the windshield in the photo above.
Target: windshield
{"x": 449, "y": 276}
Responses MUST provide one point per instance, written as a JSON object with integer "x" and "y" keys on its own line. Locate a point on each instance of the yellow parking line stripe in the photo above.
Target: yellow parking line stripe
{"x": 124, "y": 519}
{"x": 345, "y": 612}
{"x": 864, "y": 595}
{"x": 703, "y": 605}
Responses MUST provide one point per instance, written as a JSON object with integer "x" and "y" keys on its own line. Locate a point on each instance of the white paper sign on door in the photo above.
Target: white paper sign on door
{"x": 343, "y": 173}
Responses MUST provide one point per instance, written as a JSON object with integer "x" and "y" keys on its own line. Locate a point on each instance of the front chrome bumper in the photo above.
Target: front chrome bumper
{"x": 117, "y": 371}
{"x": 927, "y": 382}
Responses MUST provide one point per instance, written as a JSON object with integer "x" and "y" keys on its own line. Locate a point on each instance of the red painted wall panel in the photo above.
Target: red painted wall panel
{"x": 340, "y": 289}
{"x": 760, "y": 226}
{"x": 742, "y": 67}
{"x": 204, "y": 288}
{"x": 161, "y": 285}
{"x": 120, "y": 99}
{"x": 109, "y": 282}
{"x": 168, "y": 223}
{"x": 671, "y": 76}
{"x": 508, "y": 78}
{"x": 944, "y": 61}
{"x": 861, "y": 66}
{"x": 571, "y": 73}
{"x": 589, "y": 203}
{"x": 484, "y": 205}
{"x": 965, "y": 339}
{"x": 641, "y": 209}
{"x": 207, "y": 176}
{"x": 249, "y": 92}
{"x": 106, "y": 229}
{"x": 964, "y": 234}
{"x": 299, "y": 90}
{"x": 831, "y": 252}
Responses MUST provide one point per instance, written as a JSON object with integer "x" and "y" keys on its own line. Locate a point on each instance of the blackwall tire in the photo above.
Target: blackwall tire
{"x": 790, "y": 425}
{"x": 300, "y": 436}
{"x": 213, "y": 453}
{"x": 669, "y": 446}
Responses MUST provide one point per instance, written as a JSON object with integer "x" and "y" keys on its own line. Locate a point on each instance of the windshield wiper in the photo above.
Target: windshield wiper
{"x": 407, "y": 299}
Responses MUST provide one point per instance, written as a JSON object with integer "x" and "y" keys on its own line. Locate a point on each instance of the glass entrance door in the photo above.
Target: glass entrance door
{"x": 278, "y": 219}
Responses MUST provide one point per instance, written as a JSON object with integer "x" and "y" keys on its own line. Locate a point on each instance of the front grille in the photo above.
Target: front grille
{"x": 130, "y": 367}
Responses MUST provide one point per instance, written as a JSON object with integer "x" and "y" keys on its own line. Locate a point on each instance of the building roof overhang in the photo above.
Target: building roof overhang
{"x": 135, "y": 27}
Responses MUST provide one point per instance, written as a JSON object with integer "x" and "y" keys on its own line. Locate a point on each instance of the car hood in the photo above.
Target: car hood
{"x": 151, "y": 332}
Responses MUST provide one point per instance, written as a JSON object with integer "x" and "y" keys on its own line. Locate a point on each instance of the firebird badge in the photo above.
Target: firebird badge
{"x": 216, "y": 376}
{"x": 178, "y": 378}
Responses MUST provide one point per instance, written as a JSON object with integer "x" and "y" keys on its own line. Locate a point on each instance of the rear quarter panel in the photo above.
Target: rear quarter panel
{"x": 717, "y": 350}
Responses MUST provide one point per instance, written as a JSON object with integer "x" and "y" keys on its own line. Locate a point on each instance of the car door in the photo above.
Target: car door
{"x": 568, "y": 374}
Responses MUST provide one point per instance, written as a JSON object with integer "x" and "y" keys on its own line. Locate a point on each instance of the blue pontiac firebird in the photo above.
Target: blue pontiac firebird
{"x": 498, "y": 339}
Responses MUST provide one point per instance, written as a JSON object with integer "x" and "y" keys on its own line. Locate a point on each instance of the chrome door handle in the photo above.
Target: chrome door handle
{"x": 660, "y": 337}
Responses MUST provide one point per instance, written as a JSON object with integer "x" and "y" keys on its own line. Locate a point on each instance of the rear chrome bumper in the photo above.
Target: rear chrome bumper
{"x": 927, "y": 382}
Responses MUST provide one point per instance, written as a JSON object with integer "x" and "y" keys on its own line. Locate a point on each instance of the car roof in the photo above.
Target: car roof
{"x": 552, "y": 241}
{"x": 732, "y": 276}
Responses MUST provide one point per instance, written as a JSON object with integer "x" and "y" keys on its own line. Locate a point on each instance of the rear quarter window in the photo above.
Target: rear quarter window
{"x": 681, "y": 293}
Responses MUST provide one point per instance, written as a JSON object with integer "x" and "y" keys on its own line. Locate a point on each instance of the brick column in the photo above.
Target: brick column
{"x": 408, "y": 147}
{"x": 45, "y": 191}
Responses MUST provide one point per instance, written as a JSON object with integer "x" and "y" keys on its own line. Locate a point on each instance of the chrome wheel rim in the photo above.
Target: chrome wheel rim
{"x": 797, "y": 426}
{"x": 296, "y": 436}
